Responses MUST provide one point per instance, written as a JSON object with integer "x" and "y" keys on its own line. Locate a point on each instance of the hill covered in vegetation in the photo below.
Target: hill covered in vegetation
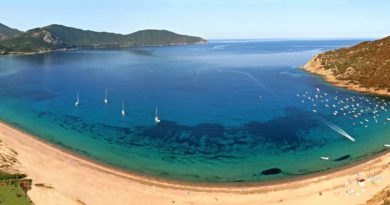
{"x": 364, "y": 67}
{"x": 7, "y": 32}
{"x": 62, "y": 37}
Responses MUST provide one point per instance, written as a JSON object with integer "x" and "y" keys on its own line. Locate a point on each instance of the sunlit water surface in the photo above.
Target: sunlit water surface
{"x": 231, "y": 111}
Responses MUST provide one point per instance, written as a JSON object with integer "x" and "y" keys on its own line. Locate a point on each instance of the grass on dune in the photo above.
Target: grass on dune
{"x": 13, "y": 188}
{"x": 13, "y": 194}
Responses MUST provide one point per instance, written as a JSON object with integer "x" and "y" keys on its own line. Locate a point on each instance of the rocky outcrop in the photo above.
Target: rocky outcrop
{"x": 364, "y": 67}
{"x": 51, "y": 39}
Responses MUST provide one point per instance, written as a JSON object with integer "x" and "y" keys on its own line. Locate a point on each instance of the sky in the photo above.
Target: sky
{"x": 211, "y": 19}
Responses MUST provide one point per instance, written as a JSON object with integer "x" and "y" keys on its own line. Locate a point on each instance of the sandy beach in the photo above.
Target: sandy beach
{"x": 314, "y": 66}
{"x": 63, "y": 178}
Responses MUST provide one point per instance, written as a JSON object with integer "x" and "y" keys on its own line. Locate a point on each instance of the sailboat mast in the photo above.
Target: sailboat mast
{"x": 156, "y": 117}
{"x": 123, "y": 109}
{"x": 106, "y": 97}
{"x": 77, "y": 100}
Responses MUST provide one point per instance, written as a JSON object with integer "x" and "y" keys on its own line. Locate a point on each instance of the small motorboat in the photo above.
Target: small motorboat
{"x": 325, "y": 158}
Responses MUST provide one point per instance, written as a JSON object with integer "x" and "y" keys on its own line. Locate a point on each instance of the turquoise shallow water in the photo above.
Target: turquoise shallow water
{"x": 230, "y": 110}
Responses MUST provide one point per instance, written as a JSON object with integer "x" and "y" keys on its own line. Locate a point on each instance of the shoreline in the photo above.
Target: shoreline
{"x": 190, "y": 185}
{"x": 37, "y": 156}
{"x": 17, "y": 53}
{"x": 314, "y": 66}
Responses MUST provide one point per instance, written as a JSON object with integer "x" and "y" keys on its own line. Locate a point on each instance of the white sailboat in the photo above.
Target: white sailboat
{"x": 106, "y": 97}
{"x": 123, "y": 113}
{"x": 387, "y": 145}
{"x": 156, "y": 117}
{"x": 77, "y": 100}
{"x": 325, "y": 158}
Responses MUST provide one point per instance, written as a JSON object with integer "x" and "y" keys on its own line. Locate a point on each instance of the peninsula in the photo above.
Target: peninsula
{"x": 364, "y": 67}
{"x": 59, "y": 37}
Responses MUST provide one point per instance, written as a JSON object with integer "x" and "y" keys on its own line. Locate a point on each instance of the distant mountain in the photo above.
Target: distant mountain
{"x": 74, "y": 37}
{"x": 364, "y": 67}
{"x": 161, "y": 37}
{"x": 61, "y": 37}
{"x": 34, "y": 40}
{"x": 7, "y": 32}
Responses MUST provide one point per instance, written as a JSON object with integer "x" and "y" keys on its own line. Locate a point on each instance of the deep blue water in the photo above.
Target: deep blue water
{"x": 230, "y": 110}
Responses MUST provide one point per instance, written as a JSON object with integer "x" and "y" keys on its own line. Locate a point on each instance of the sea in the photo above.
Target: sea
{"x": 231, "y": 111}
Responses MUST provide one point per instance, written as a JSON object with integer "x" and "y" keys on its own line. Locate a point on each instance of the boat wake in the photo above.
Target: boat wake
{"x": 253, "y": 79}
{"x": 200, "y": 68}
{"x": 219, "y": 47}
{"x": 250, "y": 76}
{"x": 340, "y": 131}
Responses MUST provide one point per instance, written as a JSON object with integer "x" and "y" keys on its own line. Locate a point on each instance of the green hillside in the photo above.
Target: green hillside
{"x": 7, "y": 32}
{"x": 162, "y": 37}
{"x": 366, "y": 65}
{"x": 74, "y": 37}
{"x": 33, "y": 40}
{"x": 62, "y": 37}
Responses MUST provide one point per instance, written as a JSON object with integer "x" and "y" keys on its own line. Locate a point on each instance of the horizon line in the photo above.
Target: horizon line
{"x": 219, "y": 39}
{"x": 295, "y": 38}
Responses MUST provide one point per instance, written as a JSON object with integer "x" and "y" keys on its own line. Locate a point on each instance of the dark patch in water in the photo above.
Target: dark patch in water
{"x": 272, "y": 171}
{"x": 71, "y": 118}
{"x": 140, "y": 52}
{"x": 123, "y": 130}
{"x": 343, "y": 158}
{"x": 299, "y": 173}
{"x": 271, "y": 132}
{"x": 222, "y": 156}
{"x": 206, "y": 141}
{"x": 216, "y": 140}
{"x": 37, "y": 95}
{"x": 238, "y": 181}
{"x": 193, "y": 176}
{"x": 164, "y": 173}
{"x": 72, "y": 148}
{"x": 207, "y": 129}
{"x": 291, "y": 148}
